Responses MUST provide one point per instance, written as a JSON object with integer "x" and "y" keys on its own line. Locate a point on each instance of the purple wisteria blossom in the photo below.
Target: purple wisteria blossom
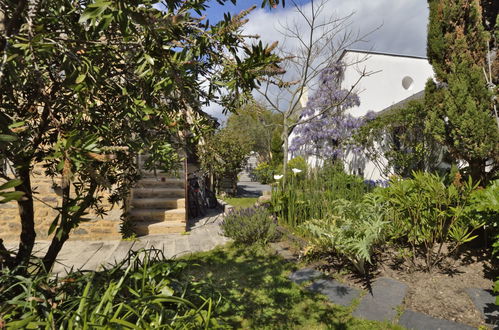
{"x": 326, "y": 134}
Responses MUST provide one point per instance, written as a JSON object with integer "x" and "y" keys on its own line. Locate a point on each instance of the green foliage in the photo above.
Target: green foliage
{"x": 353, "y": 230}
{"x": 249, "y": 226}
{"x": 460, "y": 106}
{"x": 264, "y": 173}
{"x": 144, "y": 291}
{"x": 427, "y": 214}
{"x": 257, "y": 293}
{"x": 276, "y": 146}
{"x": 7, "y": 196}
{"x": 399, "y": 137}
{"x": 255, "y": 125}
{"x": 485, "y": 205}
{"x": 313, "y": 196}
{"x": 298, "y": 163}
{"x": 224, "y": 155}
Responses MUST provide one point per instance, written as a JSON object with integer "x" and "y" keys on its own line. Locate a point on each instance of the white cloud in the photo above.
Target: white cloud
{"x": 403, "y": 23}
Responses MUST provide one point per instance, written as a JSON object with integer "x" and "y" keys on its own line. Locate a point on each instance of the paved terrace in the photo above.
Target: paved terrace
{"x": 204, "y": 235}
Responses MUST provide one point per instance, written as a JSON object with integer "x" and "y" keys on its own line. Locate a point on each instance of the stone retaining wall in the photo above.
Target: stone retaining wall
{"x": 46, "y": 197}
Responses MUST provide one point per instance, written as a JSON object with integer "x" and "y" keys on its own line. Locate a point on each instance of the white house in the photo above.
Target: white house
{"x": 391, "y": 78}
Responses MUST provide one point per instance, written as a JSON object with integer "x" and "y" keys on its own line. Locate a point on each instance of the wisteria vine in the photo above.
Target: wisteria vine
{"x": 325, "y": 135}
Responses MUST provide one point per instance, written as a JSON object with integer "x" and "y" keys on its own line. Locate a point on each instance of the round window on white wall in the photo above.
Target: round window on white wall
{"x": 407, "y": 83}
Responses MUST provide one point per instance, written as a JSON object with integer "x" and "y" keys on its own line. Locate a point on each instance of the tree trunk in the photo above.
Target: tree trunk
{"x": 477, "y": 171}
{"x": 55, "y": 247}
{"x": 26, "y": 212}
{"x": 285, "y": 137}
{"x": 67, "y": 223}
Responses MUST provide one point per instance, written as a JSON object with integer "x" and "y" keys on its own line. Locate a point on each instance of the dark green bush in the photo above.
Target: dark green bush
{"x": 250, "y": 226}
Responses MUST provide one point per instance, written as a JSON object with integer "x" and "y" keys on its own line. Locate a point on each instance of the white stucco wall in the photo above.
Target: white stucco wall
{"x": 382, "y": 87}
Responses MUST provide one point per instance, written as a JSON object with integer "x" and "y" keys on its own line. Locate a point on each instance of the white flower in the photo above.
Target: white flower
{"x": 278, "y": 177}
{"x": 296, "y": 170}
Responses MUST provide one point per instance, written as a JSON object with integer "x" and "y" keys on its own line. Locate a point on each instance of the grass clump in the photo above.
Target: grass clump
{"x": 144, "y": 291}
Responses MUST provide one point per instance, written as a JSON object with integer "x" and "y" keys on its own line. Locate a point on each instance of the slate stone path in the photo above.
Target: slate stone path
{"x": 381, "y": 303}
{"x": 416, "y": 320}
{"x": 338, "y": 293}
{"x": 386, "y": 296}
{"x": 484, "y": 301}
{"x": 204, "y": 235}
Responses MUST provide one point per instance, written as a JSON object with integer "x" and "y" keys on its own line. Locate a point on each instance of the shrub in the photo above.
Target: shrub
{"x": 426, "y": 214}
{"x": 144, "y": 291}
{"x": 264, "y": 173}
{"x": 249, "y": 226}
{"x": 486, "y": 206}
{"x": 353, "y": 231}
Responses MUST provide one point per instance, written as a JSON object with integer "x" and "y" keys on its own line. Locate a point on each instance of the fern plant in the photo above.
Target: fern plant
{"x": 352, "y": 231}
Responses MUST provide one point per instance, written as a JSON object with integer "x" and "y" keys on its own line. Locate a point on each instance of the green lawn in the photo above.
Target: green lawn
{"x": 255, "y": 292}
{"x": 241, "y": 202}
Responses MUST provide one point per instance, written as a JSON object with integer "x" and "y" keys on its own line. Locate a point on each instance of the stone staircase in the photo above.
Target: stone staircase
{"x": 157, "y": 204}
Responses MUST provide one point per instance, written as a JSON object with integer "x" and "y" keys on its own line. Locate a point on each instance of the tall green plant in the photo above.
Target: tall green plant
{"x": 312, "y": 197}
{"x": 460, "y": 104}
{"x": 428, "y": 214}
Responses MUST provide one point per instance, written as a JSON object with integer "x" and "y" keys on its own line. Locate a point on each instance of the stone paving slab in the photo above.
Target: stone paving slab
{"x": 97, "y": 260}
{"x": 337, "y": 293}
{"x": 381, "y": 303}
{"x": 419, "y": 321}
{"x": 305, "y": 275}
{"x": 485, "y": 302}
{"x": 94, "y": 255}
{"x": 120, "y": 252}
{"x": 76, "y": 255}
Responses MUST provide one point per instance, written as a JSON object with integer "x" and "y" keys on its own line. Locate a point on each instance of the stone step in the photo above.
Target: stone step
{"x": 158, "y": 228}
{"x": 144, "y": 215}
{"x": 419, "y": 321}
{"x": 158, "y": 173}
{"x": 158, "y": 192}
{"x": 336, "y": 292}
{"x": 158, "y": 203}
{"x": 381, "y": 303}
{"x": 160, "y": 181}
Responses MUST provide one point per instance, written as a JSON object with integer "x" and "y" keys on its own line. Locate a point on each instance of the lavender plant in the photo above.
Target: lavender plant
{"x": 249, "y": 226}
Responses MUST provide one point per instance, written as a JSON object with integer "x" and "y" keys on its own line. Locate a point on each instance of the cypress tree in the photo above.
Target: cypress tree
{"x": 460, "y": 104}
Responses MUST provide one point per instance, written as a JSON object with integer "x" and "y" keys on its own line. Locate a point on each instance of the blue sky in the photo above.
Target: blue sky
{"x": 216, "y": 11}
